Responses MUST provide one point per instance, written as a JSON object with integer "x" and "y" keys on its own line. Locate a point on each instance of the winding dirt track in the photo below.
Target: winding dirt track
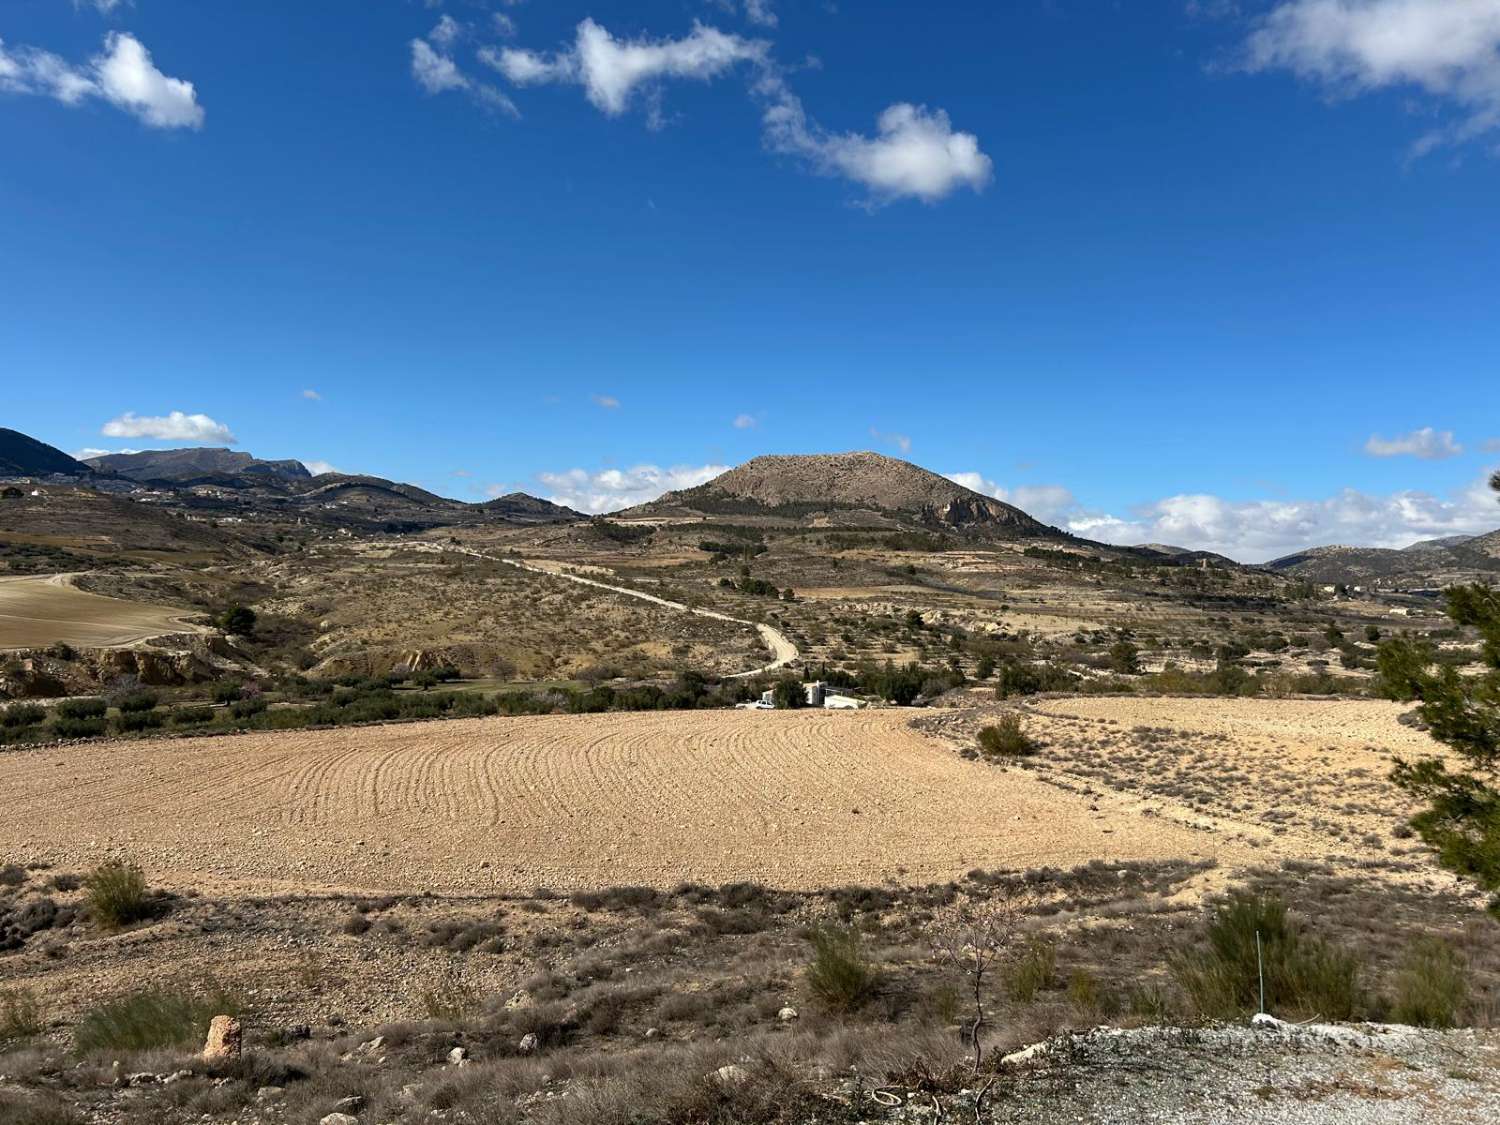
{"x": 783, "y": 651}
{"x": 797, "y": 800}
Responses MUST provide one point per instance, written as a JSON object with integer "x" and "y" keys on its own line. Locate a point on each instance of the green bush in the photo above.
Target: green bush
{"x": 137, "y": 702}
{"x": 1032, "y": 971}
{"x": 840, "y": 976}
{"x": 117, "y": 895}
{"x": 154, "y": 1018}
{"x": 130, "y": 722}
{"x": 22, "y": 715}
{"x": 1006, "y": 738}
{"x": 192, "y": 716}
{"x": 1432, "y": 985}
{"x": 1304, "y": 975}
{"x": 20, "y": 1016}
{"x": 81, "y": 709}
{"x": 227, "y": 692}
{"x": 245, "y": 708}
{"x": 64, "y": 727}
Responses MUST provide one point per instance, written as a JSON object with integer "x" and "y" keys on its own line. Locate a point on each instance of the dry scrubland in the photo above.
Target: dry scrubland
{"x": 40, "y": 611}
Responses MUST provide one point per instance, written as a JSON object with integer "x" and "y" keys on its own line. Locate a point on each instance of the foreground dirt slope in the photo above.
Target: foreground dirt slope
{"x": 798, "y": 800}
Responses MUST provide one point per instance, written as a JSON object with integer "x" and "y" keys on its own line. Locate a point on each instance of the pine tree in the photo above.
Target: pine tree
{"x": 1462, "y": 815}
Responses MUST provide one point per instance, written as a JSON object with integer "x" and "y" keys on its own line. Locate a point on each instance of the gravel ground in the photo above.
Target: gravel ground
{"x": 1324, "y": 1075}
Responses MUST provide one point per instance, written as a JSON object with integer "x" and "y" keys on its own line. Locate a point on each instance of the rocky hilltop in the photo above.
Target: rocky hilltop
{"x": 805, "y": 483}
{"x": 188, "y": 466}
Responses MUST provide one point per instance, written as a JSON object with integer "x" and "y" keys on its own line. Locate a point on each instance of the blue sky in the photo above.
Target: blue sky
{"x": 1224, "y": 274}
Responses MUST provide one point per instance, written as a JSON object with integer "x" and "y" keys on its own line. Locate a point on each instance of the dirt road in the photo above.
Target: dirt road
{"x": 783, "y": 651}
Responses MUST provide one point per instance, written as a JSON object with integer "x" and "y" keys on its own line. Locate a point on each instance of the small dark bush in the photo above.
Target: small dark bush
{"x": 22, "y": 715}
{"x": 64, "y": 727}
{"x": 117, "y": 895}
{"x": 840, "y": 976}
{"x": 131, "y": 722}
{"x": 246, "y": 708}
{"x": 136, "y": 702}
{"x": 192, "y": 716}
{"x": 1006, "y": 738}
{"x": 12, "y": 875}
{"x": 619, "y": 898}
{"x": 20, "y": 1016}
{"x": 82, "y": 709}
{"x": 1432, "y": 985}
{"x": 227, "y": 692}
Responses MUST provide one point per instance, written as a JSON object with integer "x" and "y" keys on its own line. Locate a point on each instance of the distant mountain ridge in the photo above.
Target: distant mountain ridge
{"x": 802, "y": 484}
{"x": 23, "y": 456}
{"x": 181, "y": 466}
{"x": 1443, "y": 561}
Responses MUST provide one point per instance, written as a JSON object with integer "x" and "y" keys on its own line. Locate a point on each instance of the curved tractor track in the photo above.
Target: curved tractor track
{"x": 792, "y": 799}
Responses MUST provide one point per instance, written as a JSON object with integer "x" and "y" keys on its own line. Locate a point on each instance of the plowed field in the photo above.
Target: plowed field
{"x": 789, "y": 799}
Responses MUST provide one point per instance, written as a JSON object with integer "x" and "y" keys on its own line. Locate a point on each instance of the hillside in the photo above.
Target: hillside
{"x": 519, "y": 507}
{"x": 188, "y": 466}
{"x": 1432, "y": 562}
{"x": 22, "y": 456}
{"x": 799, "y": 486}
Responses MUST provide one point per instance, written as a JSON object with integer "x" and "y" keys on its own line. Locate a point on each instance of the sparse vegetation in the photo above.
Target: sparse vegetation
{"x": 840, "y": 975}
{"x": 118, "y": 896}
{"x": 1006, "y": 738}
{"x": 171, "y": 1016}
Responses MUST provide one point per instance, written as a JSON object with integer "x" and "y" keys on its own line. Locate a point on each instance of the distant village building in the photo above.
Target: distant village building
{"x": 11, "y": 492}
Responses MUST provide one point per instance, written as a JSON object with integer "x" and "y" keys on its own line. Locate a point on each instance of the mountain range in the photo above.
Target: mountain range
{"x": 826, "y": 490}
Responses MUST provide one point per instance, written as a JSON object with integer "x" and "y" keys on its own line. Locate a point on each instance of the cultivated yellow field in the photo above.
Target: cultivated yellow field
{"x": 42, "y": 610}
{"x": 794, "y": 800}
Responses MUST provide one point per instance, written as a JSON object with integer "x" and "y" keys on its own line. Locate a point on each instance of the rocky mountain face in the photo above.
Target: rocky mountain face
{"x": 189, "y": 466}
{"x": 801, "y": 485}
{"x": 22, "y": 456}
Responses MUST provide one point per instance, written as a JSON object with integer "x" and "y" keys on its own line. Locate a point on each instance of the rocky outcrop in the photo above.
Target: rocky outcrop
{"x": 224, "y": 1035}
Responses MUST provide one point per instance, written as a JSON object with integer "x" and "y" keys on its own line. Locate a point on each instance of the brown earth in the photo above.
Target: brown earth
{"x": 799, "y": 800}
{"x": 39, "y": 611}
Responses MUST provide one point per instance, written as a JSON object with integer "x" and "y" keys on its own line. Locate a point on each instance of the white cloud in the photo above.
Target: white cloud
{"x": 437, "y": 73}
{"x": 613, "y": 489}
{"x": 90, "y": 452}
{"x": 104, "y": 7}
{"x": 447, "y": 32}
{"x": 610, "y": 70}
{"x": 900, "y": 441}
{"x": 605, "y": 402}
{"x": 1426, "y": 443}
{"x": 1492, "y": 445}
{"x": 318, "y": 468}
{"x": 312, "y": 395}
{"x": 1447, "y": 49}
{"x": 1050, "y": 503}
{"x": 175, "y": 426}
{"x": 1259, "y": 530}
{"x": 760, "y": 12}
{"x": 504, "y": 25}
{"x": 745, "y": 422}
{"x": 123, "y": 75}
{"x": 915, "y": 152}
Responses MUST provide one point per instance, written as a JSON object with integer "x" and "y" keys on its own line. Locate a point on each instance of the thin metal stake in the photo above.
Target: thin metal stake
{"x": 1260, "y": 967}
